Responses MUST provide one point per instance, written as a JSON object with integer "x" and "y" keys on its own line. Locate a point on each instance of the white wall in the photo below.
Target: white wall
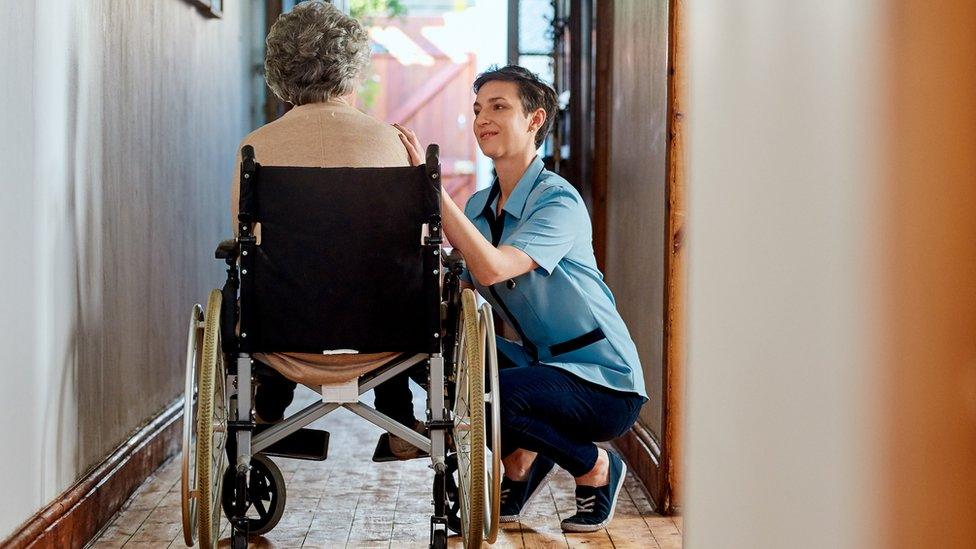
{"x": 18, "y": 316}
{"x": 783, "y": 140}
{"x": 119, "y": 125}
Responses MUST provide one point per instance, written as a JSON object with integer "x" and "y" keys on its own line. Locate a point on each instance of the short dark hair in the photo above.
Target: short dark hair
{"x": 533, "y": 92}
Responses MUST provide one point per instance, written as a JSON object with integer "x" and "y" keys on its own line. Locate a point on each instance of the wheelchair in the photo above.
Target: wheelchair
{"x": 348, "y": 259}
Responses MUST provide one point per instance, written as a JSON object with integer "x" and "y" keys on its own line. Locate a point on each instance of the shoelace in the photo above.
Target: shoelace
{"x": 585, "y": 505}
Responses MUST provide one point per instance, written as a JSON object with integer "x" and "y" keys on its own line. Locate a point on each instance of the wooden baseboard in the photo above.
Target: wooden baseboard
{"x": 644, "y": 458}
{"x": 76, "y": 515}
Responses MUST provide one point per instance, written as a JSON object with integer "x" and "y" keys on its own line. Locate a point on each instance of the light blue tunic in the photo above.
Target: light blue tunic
{"x": 563, "y": 311}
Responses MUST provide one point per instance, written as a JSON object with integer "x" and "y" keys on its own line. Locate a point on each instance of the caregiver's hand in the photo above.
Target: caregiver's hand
{"x": 414, "y": 149}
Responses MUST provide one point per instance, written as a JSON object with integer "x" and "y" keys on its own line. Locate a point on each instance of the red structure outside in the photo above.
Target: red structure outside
{"x": 416, "y": 84}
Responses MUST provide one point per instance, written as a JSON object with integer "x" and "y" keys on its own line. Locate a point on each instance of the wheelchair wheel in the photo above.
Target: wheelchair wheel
{"x": 494, "y": 466}
{"x": 194, "y": 351}
{"x": 211, "y": 427}
{"x": 469, "y": 425}
{"x": 265, "y": 495}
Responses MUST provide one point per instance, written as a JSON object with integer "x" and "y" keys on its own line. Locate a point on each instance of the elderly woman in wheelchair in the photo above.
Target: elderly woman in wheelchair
{"x": 318, "y": 292}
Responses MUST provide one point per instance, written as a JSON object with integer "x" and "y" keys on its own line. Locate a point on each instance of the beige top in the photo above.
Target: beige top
{"x": 326, "y": 135}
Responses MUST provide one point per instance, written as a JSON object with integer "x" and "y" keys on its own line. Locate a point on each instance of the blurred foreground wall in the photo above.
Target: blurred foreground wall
{"x": 832, "y": 323}
{"x": 120, "y": 121}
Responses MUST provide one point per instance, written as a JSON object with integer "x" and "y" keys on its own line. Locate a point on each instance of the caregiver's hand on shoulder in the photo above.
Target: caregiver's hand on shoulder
{"x": 414, "y": 149}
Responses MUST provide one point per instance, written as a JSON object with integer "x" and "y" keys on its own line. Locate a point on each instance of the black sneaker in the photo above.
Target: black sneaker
{"x": 595, "y": 505}
{"x": 516, "y": 494}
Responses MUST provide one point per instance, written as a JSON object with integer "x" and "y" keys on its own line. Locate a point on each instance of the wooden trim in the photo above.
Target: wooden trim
{"x": 602, "y": 128}
{"x": 643, "y": 455}
{"x": 927, "y": 268}
{"x": 81, "y": 511}
{"x": 674, "y": 298}
{"x": 658, "y": 464}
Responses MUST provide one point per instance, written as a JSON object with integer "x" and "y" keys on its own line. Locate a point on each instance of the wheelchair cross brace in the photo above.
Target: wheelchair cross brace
{"x": 318, "y": 410}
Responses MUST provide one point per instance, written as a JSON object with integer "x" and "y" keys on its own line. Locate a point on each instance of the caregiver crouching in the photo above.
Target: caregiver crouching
{"x": 575, "y": 379}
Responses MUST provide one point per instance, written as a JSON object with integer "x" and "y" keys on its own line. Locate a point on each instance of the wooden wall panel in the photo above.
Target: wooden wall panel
{"x": 636, "y": 221}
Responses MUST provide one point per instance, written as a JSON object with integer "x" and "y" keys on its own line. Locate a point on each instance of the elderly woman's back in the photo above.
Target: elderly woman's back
{"x": 315, "y": 55}
{"x": 327, "y": 134}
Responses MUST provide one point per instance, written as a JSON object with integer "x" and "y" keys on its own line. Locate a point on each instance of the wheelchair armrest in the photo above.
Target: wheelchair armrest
{"x": 454, "y": 261}
{"x": 226, "y": 250}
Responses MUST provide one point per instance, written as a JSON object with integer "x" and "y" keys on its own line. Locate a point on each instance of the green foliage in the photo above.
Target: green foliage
{"x": 369, "y": 88}
{"x": 365, "y": 9}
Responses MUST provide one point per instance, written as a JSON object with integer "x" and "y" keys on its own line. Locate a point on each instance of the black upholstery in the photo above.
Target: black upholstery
{"x": 340, "y": 265}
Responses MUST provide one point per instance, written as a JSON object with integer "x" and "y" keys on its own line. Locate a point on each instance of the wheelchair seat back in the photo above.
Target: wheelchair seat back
{"x": 342, "y": 263}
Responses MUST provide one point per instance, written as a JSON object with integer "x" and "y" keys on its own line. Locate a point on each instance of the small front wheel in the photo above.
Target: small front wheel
{"x": 265, "y": 495}
{"x": 439, "y": 541}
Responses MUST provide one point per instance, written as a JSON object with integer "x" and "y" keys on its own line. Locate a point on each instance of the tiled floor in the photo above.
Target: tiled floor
{"x": 349, "y": 501}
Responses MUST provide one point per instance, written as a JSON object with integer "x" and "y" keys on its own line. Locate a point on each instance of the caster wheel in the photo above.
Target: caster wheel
{"x": 440, "y": 540}
{"x": 265, "y": 497}
{"x": 453, "y": 496}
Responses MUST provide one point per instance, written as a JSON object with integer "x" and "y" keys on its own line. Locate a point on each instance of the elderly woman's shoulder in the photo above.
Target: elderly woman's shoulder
{"x": 328, "y": 135}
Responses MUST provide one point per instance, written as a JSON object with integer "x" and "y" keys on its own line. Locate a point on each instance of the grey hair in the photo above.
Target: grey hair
{"x": 314, "y": 53}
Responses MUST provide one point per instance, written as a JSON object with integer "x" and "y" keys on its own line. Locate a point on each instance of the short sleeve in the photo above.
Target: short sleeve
{"x": 469, "y": 212}
{"x": 549, "y": 229}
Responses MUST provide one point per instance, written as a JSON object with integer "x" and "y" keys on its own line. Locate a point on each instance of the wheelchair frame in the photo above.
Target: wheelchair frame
{"x": 237, "y": 351}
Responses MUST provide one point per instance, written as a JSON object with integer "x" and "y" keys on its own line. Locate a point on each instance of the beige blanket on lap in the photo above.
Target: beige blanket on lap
{"x": 326, "y": 135}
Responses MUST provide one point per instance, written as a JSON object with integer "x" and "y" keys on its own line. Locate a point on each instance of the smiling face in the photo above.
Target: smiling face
{"x": 501, "y": 124}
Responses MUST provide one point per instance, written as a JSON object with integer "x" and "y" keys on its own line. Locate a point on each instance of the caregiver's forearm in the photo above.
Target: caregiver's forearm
{"x": 488, "y": 264}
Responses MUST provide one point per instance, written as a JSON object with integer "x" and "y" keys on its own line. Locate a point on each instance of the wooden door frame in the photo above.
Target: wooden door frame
{"x": 655, "y": 462}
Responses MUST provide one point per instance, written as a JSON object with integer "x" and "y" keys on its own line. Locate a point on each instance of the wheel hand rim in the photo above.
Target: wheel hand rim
{"x": 493, "y": 466}
{"x": 188, "y": 480}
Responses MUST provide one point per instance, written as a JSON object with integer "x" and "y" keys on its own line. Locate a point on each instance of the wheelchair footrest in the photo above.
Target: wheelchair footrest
{"x": 383, "y": 452}
{"x": 309, "y": 444}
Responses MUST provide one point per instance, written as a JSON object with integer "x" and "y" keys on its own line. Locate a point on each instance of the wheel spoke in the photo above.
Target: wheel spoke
{"x": 260, "y": 508}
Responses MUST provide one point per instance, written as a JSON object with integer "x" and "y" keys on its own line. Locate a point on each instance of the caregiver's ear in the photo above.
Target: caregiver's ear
{"x": 537, "y": 119}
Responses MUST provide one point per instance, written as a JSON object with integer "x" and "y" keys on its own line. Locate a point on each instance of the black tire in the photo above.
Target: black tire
{"x": 265, "y": 499}
{"x": 453, "y": 507}
{"x": 439, "y": 540}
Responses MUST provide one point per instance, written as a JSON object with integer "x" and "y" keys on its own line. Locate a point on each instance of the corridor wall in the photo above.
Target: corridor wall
{"x": 120, "y": 121}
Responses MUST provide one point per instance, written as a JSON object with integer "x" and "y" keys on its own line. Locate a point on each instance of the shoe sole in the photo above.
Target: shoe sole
{"x": 583, "y": 528}
{"x": 545, "y": 481}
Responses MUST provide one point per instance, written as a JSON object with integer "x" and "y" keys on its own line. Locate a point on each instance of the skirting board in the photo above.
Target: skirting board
{"x": 643, "y": 456}
{"x": 82, "y": 510}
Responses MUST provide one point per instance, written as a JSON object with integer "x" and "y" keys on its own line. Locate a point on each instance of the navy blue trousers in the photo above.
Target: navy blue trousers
{"x": 548, "y": 410}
